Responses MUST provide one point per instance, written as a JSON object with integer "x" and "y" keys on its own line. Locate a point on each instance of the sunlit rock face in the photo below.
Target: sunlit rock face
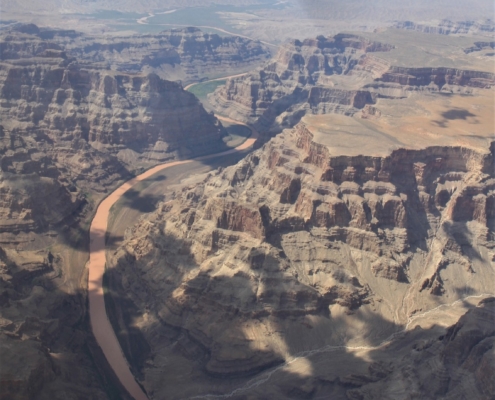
{"x": 344, "y": 74}
{"x": 187, "y": 54}
{"x": 68, "y": 127}
{"x": 294, "y": 249}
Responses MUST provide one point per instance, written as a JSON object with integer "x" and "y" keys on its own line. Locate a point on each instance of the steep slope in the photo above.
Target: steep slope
{"x": 296, "y": 82}
{"x": 48, "y": 91}
{"x": 334, "y": 251}
{"x": 69, "y": 133}
{"x": 482, "y": 27}
{"x": 67, "y": 127}
{"x": 348, "y": 73}
{"x": 457, "y": 364}
{"x": 185, "y": 54}
{"x": 45, "y": 347}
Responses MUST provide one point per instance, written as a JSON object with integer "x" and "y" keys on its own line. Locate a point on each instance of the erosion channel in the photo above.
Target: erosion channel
{"x": 102, "y": 329}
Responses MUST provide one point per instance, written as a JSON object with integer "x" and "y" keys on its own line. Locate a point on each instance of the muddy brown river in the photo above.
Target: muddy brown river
{"x": 102, "y": 329}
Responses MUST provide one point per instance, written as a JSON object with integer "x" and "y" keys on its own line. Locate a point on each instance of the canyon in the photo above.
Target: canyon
{"x": 71, "y": 131}
{"x": 336, "y": 252}
{"x": 66, "y": 127}
{"x": 348, "y": 74}
{"x": 186, "y": 55}
{"x": 349, "y": 255}
{"x": 341, "y": 257}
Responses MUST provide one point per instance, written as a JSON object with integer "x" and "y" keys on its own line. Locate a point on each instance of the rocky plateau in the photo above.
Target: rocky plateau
{"x": 335, "y": 251}
{"x": 348, "y": 73}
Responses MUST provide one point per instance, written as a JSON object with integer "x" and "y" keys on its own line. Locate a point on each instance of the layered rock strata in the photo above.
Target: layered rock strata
{"x": 447, "y": 27}
{"x": 334, "y": 250}
{"x": 69, "y": 133}
{"x": 295, "y": 82}
{"x": 342, "y": 74}
{"x": 46, "y": 90}
{"x": 188, "y": 54}
{"x": 68, "y": 128}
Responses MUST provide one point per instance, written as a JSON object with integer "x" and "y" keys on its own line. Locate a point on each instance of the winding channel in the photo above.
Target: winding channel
{"x": 102, "y": 329}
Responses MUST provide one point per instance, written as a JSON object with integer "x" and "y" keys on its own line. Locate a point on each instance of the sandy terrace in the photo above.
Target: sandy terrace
{"x": 417, "y": 49}
{"x": 417, "y": 122}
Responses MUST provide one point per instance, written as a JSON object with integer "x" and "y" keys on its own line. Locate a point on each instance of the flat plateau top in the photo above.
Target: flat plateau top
{"x": 418, "y": 49}
{"x": 417, "y": 122}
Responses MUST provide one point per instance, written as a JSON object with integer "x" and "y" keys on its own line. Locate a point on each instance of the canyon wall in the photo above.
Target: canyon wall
{"x": 333, "y": 250}
{"x": 67, "y": 128}
{"x": 186, "y": 55}
{"x": 70, "y": 132}
{"x": 343, "y": 74}
{"x": 446, "y": 27}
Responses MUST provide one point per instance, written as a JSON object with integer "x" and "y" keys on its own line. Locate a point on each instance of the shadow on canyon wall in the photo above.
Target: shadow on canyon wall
{"x": 47, "y": 350}
{"x": 330, "y": 370}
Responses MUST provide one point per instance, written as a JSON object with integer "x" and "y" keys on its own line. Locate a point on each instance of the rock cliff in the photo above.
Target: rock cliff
{"x": 68, "y": 128}
{"x": 44, "y": 89}
{"x": 250, "y": 278}
{"x": 458, "y": 363}
{"x": 45, "y": 346}
{"x": 296, "y": 82}
{"x": 70, "y": 132}
{"x": 446, "y": 27}
{"x": 343, "y": 74}
{"x": 188, "y": 54}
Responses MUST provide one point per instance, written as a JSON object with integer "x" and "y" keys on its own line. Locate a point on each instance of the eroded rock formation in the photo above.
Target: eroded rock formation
{"x": 447, "y": 27}
{"x": 69, "y": 133}
{"x": 251, "y": 277}
{"x": 67, "y": 128}
{"x": 186, "y": 54}
{"x": 342, "y": 74}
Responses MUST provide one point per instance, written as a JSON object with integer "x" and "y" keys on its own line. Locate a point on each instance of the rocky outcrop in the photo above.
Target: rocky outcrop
{"x": 296, "y": 82}
{"x": 438, "y": 77}
{"x": 69, "y": 129}
{"x": 42, "y": 332}
{"x": 456, "y": 364}
{"x": 478, "y": 46}
{"x": 447, "y": 27}
{"x": 186, "y": 55}
{"x": 344, "y": 74}
{"x": 111, "y": 110}
{"x": 235, "y": 268}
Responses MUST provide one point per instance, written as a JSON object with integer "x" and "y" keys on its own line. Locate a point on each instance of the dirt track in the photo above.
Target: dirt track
{"x": 102, "y": 329}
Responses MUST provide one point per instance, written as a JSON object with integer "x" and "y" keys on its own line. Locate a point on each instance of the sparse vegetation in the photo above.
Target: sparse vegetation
{"x": 202, "y": 89}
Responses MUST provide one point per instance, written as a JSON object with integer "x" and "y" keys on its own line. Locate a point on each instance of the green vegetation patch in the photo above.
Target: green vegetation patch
{"x": 201, "y": 90}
